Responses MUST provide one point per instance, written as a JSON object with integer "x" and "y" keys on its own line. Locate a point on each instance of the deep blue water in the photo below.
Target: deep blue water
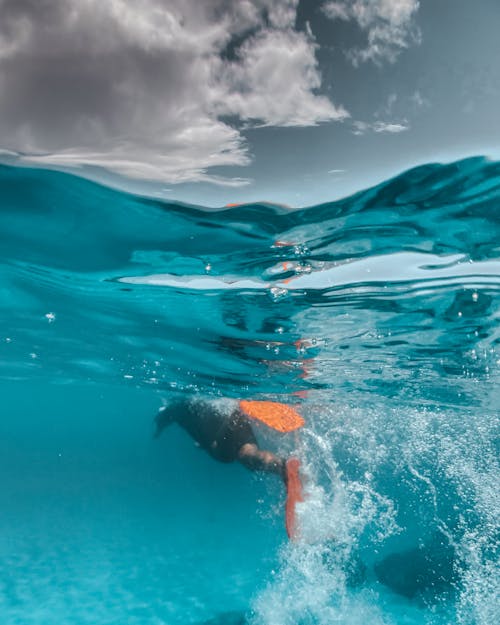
{"x": 378, "y": 315}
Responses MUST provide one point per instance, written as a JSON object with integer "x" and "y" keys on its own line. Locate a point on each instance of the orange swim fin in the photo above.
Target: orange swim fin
{"x": 280, "y": 417}
{"x": 293, "y": 496}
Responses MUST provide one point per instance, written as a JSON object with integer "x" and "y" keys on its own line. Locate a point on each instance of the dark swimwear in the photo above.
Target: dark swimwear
{"x": 221, "y": 435}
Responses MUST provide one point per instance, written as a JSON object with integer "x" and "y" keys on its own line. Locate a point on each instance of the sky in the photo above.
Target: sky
{"x": 224, "y": 101}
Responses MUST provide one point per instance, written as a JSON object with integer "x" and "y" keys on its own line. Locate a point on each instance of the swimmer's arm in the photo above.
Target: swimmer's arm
{"x": 162, "y": 420}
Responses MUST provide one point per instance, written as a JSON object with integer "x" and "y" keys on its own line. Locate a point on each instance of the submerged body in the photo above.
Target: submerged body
{"x": 225, "y": 432}
{"x": 222, "y": 430}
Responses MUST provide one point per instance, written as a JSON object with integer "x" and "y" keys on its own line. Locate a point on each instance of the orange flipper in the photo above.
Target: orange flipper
{"x": 293, "y": 495}
{"x": 278, "y": 416}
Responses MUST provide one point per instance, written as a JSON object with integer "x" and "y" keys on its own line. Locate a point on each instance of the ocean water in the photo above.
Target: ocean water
{"x": 376, "y": 315}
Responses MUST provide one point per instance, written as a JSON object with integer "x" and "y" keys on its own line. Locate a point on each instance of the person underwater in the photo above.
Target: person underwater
{"x": 223, "y": 429}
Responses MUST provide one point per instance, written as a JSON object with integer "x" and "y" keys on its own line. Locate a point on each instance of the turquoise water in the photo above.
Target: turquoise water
{"x": 377, "y": 315}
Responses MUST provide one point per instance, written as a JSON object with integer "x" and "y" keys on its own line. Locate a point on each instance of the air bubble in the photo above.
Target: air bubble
{"x": 278, "y": 293}
{"x": 300, "y": 250}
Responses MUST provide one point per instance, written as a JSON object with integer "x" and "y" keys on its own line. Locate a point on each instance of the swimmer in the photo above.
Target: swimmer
{"x": 223, "y": 430}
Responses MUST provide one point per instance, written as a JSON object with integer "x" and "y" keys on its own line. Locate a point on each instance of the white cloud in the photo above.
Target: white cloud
{"x": 388, "y": 25}
{"x": 143, "y": 87}
{"x": 390, "y": 127}
{"x": 275, "y": 80}
{"x": 361, "y": 128}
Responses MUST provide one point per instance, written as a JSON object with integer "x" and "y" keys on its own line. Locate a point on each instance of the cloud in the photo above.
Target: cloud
{"x": 146, "y": 88}
{"x": 361, "y": 128}
{"x": 274, "y": 82}
{"x": 388, "y": 25}
{"x": 391, "y": 127}
{"x": 418, "y": 101}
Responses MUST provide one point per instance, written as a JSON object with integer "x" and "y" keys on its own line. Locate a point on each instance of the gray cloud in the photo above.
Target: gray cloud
{"x": 144, "y": 87}
{"x": 388, "y": 25}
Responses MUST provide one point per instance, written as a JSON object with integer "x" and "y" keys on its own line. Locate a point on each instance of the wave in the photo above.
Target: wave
{"x": 378, "y": 313}
{"x": 409, "y": 269}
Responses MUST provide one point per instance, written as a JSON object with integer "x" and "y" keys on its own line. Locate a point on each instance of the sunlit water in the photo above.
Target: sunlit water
{"x": 378, "y": 315}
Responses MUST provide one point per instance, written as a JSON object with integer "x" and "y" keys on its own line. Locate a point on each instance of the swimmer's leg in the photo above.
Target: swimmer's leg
{"x": 162, "y": 420}
{"x": 256, "y": 459}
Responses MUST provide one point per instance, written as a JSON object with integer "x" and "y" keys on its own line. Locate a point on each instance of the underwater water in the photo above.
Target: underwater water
{"x": 376, "y": 315}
